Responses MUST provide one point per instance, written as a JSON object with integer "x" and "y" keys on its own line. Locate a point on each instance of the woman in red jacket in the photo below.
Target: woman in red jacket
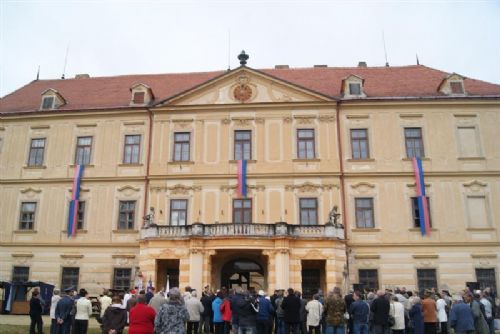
{"x": 141, "y": 318}
{"x": 225, "y": 309}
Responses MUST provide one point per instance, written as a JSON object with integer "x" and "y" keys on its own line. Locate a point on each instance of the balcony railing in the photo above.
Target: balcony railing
{"x": 279, "y": 229}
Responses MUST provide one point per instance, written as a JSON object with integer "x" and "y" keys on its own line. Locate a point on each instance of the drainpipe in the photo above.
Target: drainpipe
{"x": 342, "y": 186}
{"x": 148, "y": 162}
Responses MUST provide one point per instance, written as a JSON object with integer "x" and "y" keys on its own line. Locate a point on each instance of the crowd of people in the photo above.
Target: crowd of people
{"x": 239, "y": 311}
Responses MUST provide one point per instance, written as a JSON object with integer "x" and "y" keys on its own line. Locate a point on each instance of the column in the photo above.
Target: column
{"x": 196, "y": 269}
{"x": 282, "y": 268}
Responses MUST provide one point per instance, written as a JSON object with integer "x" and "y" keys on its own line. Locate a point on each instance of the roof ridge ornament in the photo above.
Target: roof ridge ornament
{"x": 243, "y": 57}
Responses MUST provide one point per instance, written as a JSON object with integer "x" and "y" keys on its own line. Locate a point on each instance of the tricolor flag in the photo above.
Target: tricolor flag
{"x": 423, "y": 207}
{"x": 242, "y": 178}
{"x": 73, "y": 204}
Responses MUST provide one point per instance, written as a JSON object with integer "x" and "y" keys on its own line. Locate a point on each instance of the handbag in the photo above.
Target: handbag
{"x": 391, "y": 321}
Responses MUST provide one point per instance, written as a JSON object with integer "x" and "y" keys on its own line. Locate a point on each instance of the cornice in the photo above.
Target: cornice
{"x": 67, "y": 245}
{"x": 439, "y": 243}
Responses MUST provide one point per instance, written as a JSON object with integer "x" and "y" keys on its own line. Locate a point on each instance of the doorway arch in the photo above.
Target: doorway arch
{"x": 243, "y": 272}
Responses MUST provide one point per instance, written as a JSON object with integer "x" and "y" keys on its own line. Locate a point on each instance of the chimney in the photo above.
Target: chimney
{"x": 362, "y": 64}
{"x": 281, "y": 67}
{"x": 82, "y": 76}
{"x": 320, "y": 65}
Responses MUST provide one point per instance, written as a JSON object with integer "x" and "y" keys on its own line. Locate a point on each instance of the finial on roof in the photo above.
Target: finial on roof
{"x": 243, "y": 57}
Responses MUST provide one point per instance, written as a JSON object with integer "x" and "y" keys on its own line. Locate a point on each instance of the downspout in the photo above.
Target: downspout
{"x": 342, "y": 188}
{"x": 148, "y": 162}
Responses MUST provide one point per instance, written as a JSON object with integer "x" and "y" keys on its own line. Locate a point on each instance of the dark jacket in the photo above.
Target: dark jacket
{"x": 380, "y": 309}
{"x": 461, "y": 318}
{"x": 360, "y": 311}
{"x": 233, "y": 301}
{"x": 114, "y": 318}
{"x": 266, "y": 310}
{"x": 64, "y": 307}
{"x": 303, "y": 312}
{"x": 35, "y": 307}
{"x": 206, "y": 301}
{"x": 247, "y": 311}
{"x": 291, "y": 306}
{"x": 417, "y": 319}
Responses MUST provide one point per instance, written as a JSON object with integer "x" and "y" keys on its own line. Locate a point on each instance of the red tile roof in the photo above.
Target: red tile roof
{"x": 114, "y": 92}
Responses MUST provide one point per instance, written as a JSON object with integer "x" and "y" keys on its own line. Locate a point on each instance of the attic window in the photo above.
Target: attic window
{"x": 48, "y": 102}
{"x": 139, "y": 97}
{"x": 354, "y": 89}
{"x": 457, "y": 87}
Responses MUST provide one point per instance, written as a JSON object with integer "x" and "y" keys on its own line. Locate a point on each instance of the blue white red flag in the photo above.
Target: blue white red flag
{"x": 73, "y": 204}
{"x": 242, "y": 178}
{"x": 423, "y": 207}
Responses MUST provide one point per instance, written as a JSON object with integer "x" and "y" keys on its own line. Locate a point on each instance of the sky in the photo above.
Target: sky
{"x": 107, "y": 38}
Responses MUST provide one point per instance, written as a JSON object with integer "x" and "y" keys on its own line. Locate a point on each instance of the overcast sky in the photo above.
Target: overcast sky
{"x": 130, "y": 37}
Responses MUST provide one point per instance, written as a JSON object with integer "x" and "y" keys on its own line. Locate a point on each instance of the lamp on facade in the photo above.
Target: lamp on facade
{"x": 149, "y": 219}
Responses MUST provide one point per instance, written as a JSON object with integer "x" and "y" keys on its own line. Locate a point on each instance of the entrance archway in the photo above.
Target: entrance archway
{"x": 244, "y": 273}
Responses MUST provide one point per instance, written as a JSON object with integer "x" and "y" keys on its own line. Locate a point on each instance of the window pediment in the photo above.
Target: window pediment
{"x": 51, "y": 99}
{"x": 453, "y": 85}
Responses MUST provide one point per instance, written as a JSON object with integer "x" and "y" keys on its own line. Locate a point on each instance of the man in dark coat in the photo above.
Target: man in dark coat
{"x": 247, "y": 308}
{"x": 380, "y": 308}
{"x": 63, "y": 313}
{"x": 291, "y": 307}
{"x": 36, "y": 311}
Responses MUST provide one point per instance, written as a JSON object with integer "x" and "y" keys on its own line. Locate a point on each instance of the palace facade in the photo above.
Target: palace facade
{"x": 159, "y": 190}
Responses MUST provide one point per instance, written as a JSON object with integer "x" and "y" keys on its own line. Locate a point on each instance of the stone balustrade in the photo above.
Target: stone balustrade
{"x": 279, "y": 229}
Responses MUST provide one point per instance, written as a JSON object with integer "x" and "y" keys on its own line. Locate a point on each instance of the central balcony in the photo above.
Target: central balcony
{"x": 229, "y": 230}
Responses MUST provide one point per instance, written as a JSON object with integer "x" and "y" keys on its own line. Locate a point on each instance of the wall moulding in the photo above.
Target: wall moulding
{"x": 310, "y": 187}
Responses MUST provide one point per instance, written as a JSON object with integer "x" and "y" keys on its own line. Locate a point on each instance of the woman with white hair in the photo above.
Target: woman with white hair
{"x": 172, "y": 316}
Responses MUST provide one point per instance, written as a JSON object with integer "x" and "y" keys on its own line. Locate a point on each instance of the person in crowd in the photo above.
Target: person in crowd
{"x": 63, "y": 312}
{"x": 360, "y": 314}
{"x": 36, "y": 311}
{"x": 247, "y": 307}
{"x": 314, "y": 314}
{"x": 280, "y": 313}
{"x": 380, "y": 308}
{"x": 83, "y": 312}
{"x": 479, "y": 320}
{"x": 335, "y": 309}
{"x": 291, "y": 307}
{"x": 172, "y": 316}
{"x": 53, "y": 303}
{"x": 348, "y": 301}
{"x": 207, "y": 299}
{"x": 150, "y": 294}
{"x": 126, "y": 297}
{"x": 234, "y": 299}
{"x": 488, "y": 311}
{"x": 227, "y": 314}
{"x": 429, "y": 312}
{"x": 265, "y": 315}
{"x": 157, "y": 301}
{"x": 303, "y": 313}
{"x": 441, "y": 313}
{"x": 105, "y": 301}
{"x": 416, "y": 316}
{"x": 217, "y": 318}
{"x": 114, "y": 318}
{"x": 397, "y": 310}
{"x": 195, "y": 309}
{"x": 187, "y": 293}
{"x": 141, "y": 317}
{"x": 461, "y": 317}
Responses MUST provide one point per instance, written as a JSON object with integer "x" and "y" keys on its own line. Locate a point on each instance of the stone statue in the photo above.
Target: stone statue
{"x": 333, "y": 216}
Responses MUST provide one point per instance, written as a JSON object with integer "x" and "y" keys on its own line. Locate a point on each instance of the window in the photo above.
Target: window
{"x": 127, "y": 215}
{"x": 457, "y": 87}
{"x": 364, "y": 213}
{"x": 308, "y": 211}
{"x": 181, "y": 146}
{"x": 139, "y": 97}
{"x": 468, "y": 143}
{"x": 27, "y": 216}
{"x": 486, "y": 278}
{"x": 131, "y": 151}
{"x": 355, "y": 89}
{"x": 242, "y": 211}
{"x": 368, "y": 278}
{"x": 178, "y": 212}
{"x": 121, "y": 278}
{"x": 70, "y": 277}
{"x": 48, "y": 102}
{"x": 426, "y": 279}
{"x": 414, "y": 143}
{"x": 37, "y": 150}
{"x": 83, "y": 150}
{"x": 243, "y": 145}
{"x": 20, "y": 274}
{"x": 416, "y": 211}
{"x": 359, "y": 144}
{"x": 80, "y": 215}
{"x": 477, "y": 210}
{"x": 305, "y": 144}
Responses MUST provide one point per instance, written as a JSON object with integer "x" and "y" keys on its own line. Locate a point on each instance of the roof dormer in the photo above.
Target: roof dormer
{"x": 51, "y": 99}
{"x": 141, "y": 95}
{"x": 352, "y": 87}
{"x": 453, "y": 85}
